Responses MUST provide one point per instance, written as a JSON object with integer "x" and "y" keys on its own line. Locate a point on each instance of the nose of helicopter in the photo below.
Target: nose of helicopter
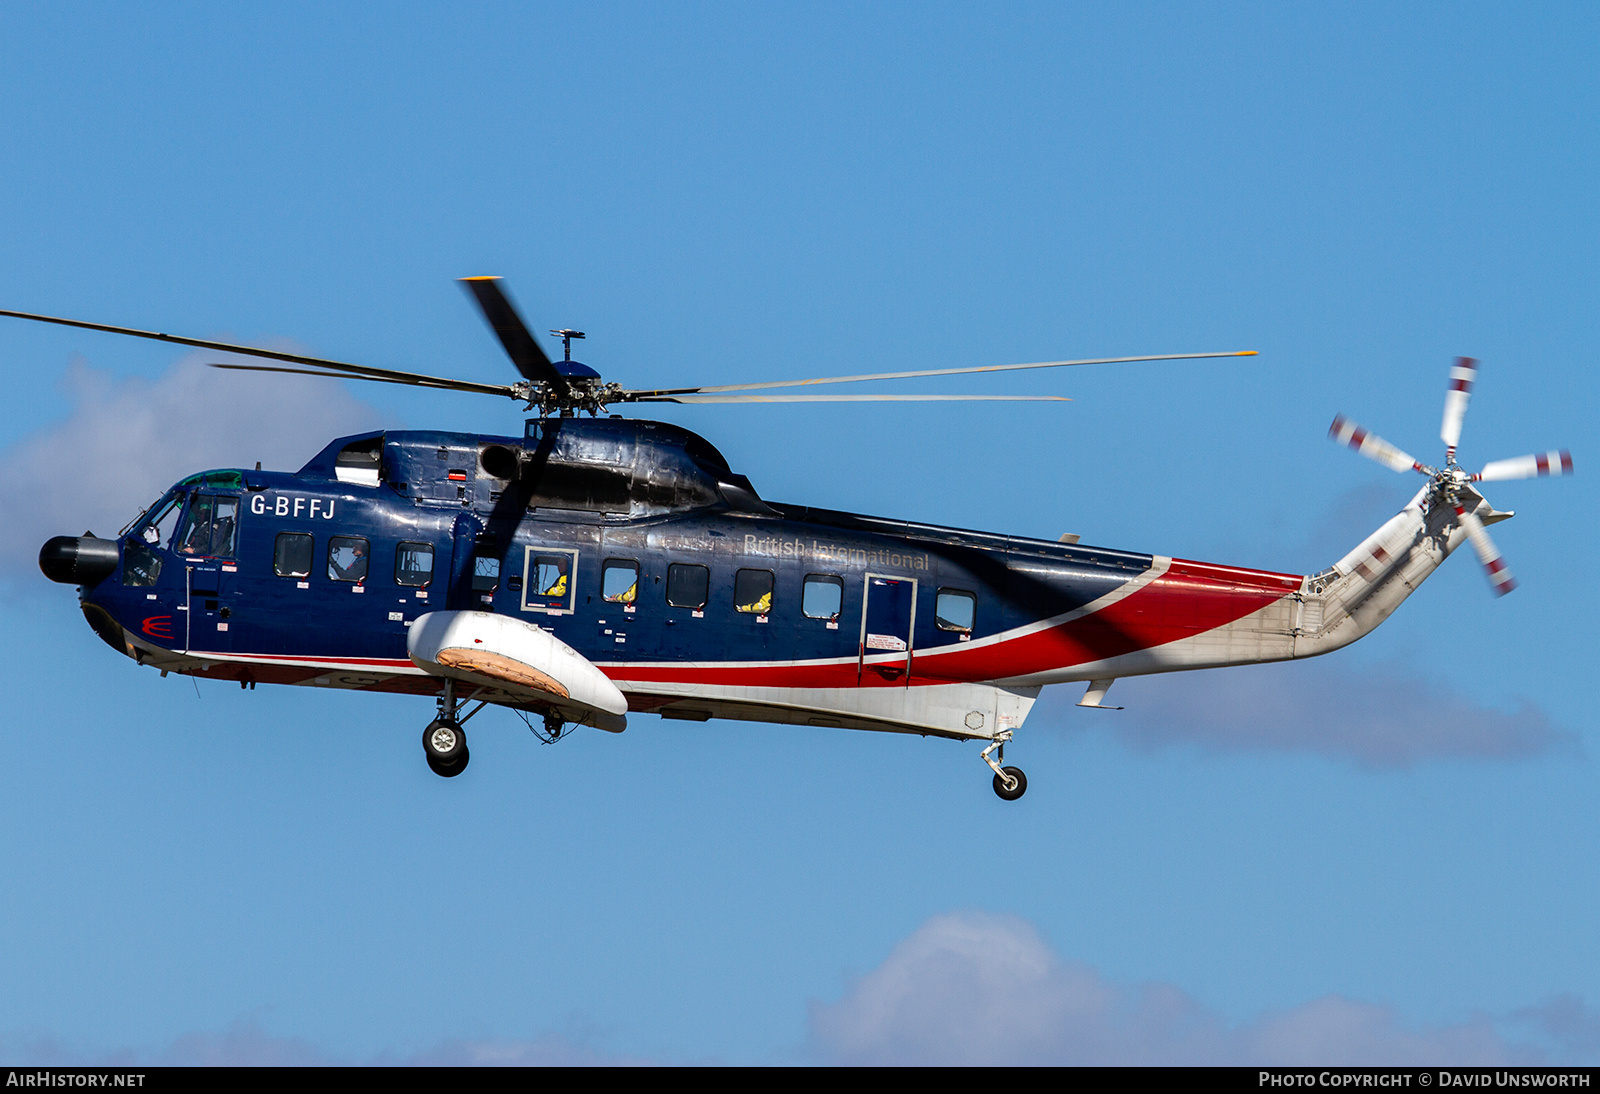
{"x": 78, "y": 560}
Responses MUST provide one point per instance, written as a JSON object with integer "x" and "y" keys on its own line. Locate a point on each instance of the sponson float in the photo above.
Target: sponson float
{"x": 590, "y": 568}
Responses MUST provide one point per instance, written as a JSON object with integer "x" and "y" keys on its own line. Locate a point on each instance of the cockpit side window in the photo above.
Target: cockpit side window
{"x": 155, "y": 525}
{"x": 210, "y": 527}
{"x": 225, "y": 527}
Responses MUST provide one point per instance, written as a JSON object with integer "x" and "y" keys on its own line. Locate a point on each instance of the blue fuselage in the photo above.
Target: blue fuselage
{"x": 630, "y": 541}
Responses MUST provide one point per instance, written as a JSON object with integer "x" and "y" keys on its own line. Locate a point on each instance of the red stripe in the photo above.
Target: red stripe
{"x": 1191, "y": 598}
{"x": 1566, "y": 462}
{"x": 1542, "y": 462}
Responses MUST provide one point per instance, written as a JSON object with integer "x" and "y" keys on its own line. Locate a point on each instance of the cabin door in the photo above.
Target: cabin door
{"x": 888, "y": 607}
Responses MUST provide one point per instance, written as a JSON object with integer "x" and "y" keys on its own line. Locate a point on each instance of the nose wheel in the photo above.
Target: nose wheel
{"x": 1009, "y": 782}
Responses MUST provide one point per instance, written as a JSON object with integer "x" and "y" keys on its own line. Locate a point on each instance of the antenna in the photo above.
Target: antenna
{"x": 566, "y": 337}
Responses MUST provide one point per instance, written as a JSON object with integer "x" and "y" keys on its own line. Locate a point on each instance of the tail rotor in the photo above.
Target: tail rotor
{"x": 1500, "y": 579}
{"x": 1373, "y": 447}
{"x": 1450, "y": 485}
{"x": 1538, "y": 465}
{"x": 1463, "y": 374}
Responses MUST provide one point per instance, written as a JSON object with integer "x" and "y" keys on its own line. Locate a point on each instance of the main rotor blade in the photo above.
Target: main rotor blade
{"x": 513, "y": 333}
{"x": 1344, "y": 431}
{"x": 1500, "y": 579}
{"x": 852, "y": 399}
{"x": 1527, "y": 467}
{"x": 414, "y": 379}
{"x": 367, "y": 371}
{"x": 1462, "y": 376}
{"x": 639, "y": 396}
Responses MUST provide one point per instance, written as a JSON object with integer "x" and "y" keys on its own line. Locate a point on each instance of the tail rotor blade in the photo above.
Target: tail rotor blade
{"x": 1344, "y": 431}
{"x": 1552, "y": 463}
{"x": 1500, "y": 579}
{"x": 1462, "y": 376}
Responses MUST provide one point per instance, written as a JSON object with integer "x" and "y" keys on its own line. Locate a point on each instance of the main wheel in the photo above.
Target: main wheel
{"x": 449, "y": 771}
{"x": 1014, "y": 792}
{"x": 444, "y": 741}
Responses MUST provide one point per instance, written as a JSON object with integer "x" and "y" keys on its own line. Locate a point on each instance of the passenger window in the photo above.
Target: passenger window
{"x": 822, "y": 597}
{"x": 347, "y": 558}
{"x": 292, "y": 554}
{"x": 955, "y": 611}
{"x": 485, "y": 574}
{"x": 752, "y": 591}
{"x": 619, "y": 581}
{"x": 550, "y": 575}
{"x": 688, "y": 585}
{"x": 413, "y": 565}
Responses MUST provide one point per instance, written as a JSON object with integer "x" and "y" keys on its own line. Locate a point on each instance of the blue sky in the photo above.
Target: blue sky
{"x": 1386, "y": 854}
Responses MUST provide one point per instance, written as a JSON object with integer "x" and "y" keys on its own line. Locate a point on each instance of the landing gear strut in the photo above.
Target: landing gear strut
{"x": 1009, "y": 782}
{"x": 444, "y": 741}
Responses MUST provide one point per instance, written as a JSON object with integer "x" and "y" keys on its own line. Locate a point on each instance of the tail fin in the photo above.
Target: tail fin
{"x": 1361, "y": 590}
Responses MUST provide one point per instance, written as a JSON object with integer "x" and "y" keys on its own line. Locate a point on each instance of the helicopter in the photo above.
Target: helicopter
{"x": 595, "y": 567}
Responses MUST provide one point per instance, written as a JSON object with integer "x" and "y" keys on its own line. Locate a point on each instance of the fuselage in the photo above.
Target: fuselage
{"x": 635, "y": 544}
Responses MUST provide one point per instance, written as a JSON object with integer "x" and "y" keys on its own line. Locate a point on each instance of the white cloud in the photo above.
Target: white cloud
{"x": 980, "y": 989}
{"x": 1375, "y": 717}
{"x": 128, "y": 439}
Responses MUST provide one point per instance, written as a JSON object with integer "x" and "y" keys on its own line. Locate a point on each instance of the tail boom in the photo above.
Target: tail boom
{"x": 1197, "y": 616}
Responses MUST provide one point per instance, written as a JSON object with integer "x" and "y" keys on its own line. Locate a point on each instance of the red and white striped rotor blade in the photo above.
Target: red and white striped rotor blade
{"x": 1500, "y": 579}
{"x": 1463, "y": 374}
{"x": 1344, "y": 431}
{"x": 1538, "y": 465}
